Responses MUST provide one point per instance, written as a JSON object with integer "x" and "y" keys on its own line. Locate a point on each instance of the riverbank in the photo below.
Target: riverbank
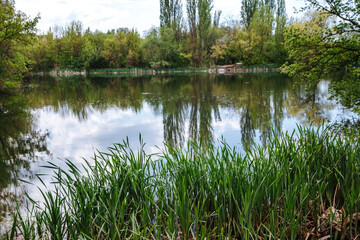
{"x": 302, "y": 185}
{"x": 147, "y": 71}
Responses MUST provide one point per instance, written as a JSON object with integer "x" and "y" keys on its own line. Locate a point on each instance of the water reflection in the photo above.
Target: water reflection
{"x": 70, "y": 117}
{"x": 310, "y": 107}
{"x": 189, "y": 105}
{"x": 189, "y": 99}
{"x": 20, "y": 145}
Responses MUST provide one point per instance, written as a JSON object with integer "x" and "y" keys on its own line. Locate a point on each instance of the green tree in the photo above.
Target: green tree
{"x": 161, "y": 49}
{"x": 270, "y": 3}
{"x": 42, "y": 54}
{"x": 92, "y": 52}
{"x": 115, "y": 49}
{"x": 134, "y": 53}
{"x": 71, "y": 46}
{"x": 191, "y": 9}
{"x": 260, "y": 39}
{"x": 239, "y": 49}
{"x": 171, "y": 15}
{"x": 123, "y": 48}
{"x": 204, "y": 26}
{"x": 261, "y": 34}
{"x": 16, "y": 31}
{"x": 150, "y": 47}
{"x": 248, "y": 9}
{"x": 280, "y": 53}
{"x": 327, "y": 44}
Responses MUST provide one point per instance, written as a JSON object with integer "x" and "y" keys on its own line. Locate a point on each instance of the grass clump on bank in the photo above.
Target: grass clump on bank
{"x": 300, "y": 186}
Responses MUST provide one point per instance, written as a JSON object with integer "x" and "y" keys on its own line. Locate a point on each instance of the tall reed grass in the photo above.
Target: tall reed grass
{"x": 303, "y": 185}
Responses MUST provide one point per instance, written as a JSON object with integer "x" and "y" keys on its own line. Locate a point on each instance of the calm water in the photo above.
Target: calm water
{"x": 69, "y": 118}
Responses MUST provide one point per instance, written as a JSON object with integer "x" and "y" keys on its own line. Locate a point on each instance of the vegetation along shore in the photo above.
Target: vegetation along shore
{"x": 227, "y": 69}
{"x": 302, "y": 185}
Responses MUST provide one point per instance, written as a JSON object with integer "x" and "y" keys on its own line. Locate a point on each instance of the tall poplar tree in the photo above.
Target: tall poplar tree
{"x": 280, "y": 20}
{"x": 248, "y": 9}
{"x": 281, "y": 53}
{"x": 270, "y": 3}
{"x": 204, "y": 26}
{"x": 261, "y": 33}
{"x": 216, "y": 22}
{"x": 191, "y": 9}
{"x": 171, "y": 15}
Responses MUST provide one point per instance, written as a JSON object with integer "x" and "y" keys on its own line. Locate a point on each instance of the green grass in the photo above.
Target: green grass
{"x": 300, "y": 185}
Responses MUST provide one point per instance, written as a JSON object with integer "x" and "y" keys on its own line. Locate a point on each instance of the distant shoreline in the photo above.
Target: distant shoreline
{"x": 145, "y": 71}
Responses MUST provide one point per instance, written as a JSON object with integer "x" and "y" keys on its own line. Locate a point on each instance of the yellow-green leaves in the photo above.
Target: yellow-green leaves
{"x": 325, "y": 43}
{"x": 16, "y": 30}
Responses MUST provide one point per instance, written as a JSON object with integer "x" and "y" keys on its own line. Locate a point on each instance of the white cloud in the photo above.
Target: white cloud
{"x": 71, "y": 138}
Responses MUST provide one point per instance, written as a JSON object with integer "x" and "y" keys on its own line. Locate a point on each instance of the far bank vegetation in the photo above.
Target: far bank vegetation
{"x": 196, "y": 38}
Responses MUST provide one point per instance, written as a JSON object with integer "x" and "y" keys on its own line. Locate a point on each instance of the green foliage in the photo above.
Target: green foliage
{"x": 92, "y": 53}
{"x": 259, "y": 41}
{"x": 42, "y": 54}
{"x": 261, "y": 33}
{"x": 301, "y": 184}
{"x": 150, "y": 46}
{"x": 325, "y": 44}
{"x": 162, "y": 50}
{"x": 171, "y": 15}
{"x": 123, "y": 49}
{"x": 71, "y": 46}
{"x": 204, "y": 26}
{"x": 206, "y": 42}
{"x": 191, "y": 10}
{"x": 16, "y": 31}
{"x": 280, "y": 54}
{"x": 19, "y": 142}
{"x": 346, "y": 89}
{"x": 248, "y": 9}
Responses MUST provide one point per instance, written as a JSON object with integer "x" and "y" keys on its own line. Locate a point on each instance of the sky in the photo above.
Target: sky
{"x": 105, "y": 15}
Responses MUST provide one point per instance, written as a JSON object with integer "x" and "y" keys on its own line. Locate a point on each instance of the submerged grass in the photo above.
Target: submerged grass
{"x": 300, "y": 186}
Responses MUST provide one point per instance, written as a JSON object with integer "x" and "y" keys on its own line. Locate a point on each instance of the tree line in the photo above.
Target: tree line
{"x": 191, "y": 39}
{"x": 325, "y": 42}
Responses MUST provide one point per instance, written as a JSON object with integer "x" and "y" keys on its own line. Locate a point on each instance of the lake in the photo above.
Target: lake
{"x": 70, "y": 118}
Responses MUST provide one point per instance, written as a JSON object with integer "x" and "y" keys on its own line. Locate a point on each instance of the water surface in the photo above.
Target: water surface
{"x": 68, "y": 118}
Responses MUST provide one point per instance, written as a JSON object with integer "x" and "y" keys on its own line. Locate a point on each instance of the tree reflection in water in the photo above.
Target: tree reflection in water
{"x": 20, "y": 145}
{"x": 188, "y": 104}
{"x": 310, "y": 107}
{"x": 194, "y": 100}
{"x": 192, "y": 106}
